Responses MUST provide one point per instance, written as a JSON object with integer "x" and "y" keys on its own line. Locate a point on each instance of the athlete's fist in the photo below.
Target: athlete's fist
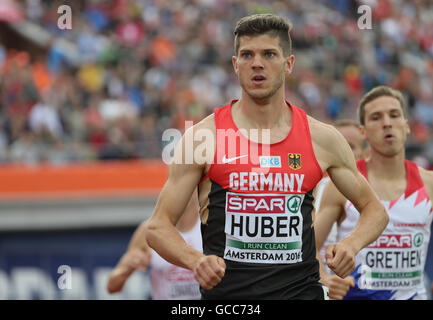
{"x": 136, "y": 259}
{"x": 340, "y": 258}
{"x": 133, "y": 259}
{"x": 209, "y": 270}
{"x": 337, "y": 286}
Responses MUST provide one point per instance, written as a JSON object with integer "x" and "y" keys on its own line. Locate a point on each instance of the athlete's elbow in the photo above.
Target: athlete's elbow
{"x": 385, "y": 218}
{"x": 382, "y": 217}
{"x": 152, "y": 229}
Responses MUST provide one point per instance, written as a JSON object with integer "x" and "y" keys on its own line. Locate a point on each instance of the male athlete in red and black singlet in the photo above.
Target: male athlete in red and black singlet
{"x": 255, "y": 194}
{"x": 260, "y": 211}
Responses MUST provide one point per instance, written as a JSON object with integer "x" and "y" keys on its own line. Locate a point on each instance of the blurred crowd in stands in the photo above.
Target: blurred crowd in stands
{"x": 128, "y": 70}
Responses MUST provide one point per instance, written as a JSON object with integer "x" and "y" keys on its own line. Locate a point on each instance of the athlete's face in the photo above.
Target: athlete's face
{"x": 261, "y": 66}
{"x": 355, "y": 139}
{"x": 385, "y": 127}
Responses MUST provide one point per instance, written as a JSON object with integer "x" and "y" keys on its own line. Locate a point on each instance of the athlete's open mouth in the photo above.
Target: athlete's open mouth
{"x": 389, "y": 137}
{"x": 258, "y": 79}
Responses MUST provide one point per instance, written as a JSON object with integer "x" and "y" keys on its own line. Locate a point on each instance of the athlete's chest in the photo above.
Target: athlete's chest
{"x": 407, "y": 212}
{"x": 388, "y": 190}
{"x": 272, "y": 169}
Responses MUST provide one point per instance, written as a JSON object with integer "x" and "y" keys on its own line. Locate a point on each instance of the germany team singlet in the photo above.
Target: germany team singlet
{"x": 260, "y": 211}
{"x": 392, "y": 267}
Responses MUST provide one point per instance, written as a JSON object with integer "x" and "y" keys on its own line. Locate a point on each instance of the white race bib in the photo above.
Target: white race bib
{"x": 264, "y": 228}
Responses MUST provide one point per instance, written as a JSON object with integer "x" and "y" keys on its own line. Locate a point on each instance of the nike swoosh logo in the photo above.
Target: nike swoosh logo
{"x": 227, "y": 160}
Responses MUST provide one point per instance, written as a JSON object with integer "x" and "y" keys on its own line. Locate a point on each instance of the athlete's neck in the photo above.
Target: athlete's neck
{"x": 389, "y": 168}
{"x": 262, "y": 114}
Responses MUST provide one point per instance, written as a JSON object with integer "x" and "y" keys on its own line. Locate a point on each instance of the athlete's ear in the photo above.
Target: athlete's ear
{"x": 362, "y": 130}
{"x": 290, "y": 62}
{"x": 235, "y": 63}
{"x": 407, "y": 127}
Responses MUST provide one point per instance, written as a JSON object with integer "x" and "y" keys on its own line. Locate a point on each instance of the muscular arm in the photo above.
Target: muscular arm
{"x": 331, "y": 211}
{"x": 161, "y": 233}
{"x": 373, "y": 216}
{"x": 335, "y": 156}
{"x": 136, "y": 257}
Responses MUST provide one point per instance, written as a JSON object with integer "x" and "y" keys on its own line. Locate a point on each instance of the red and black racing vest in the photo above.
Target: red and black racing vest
{"x": 260, "y": 211}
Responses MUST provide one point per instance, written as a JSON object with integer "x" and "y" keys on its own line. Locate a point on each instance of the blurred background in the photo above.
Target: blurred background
{"x": 83, "y": 109}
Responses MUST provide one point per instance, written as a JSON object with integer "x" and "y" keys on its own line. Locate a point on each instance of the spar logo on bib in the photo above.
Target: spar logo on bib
{"x": 393, "y": 241}
{"x": 263, "y": 228}
{"x": 241, "y": 203}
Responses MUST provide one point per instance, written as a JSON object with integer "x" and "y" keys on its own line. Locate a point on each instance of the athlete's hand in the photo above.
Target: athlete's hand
{"x": 136, "y": 259}
{"x": 340, "y": 258}
{"x": 133, "y": 259}
{"x": 337, "y": 287}
{"x": 209, "y": 270}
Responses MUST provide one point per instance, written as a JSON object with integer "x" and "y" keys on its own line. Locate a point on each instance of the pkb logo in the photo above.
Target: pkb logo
{"x": 270, "y": 162}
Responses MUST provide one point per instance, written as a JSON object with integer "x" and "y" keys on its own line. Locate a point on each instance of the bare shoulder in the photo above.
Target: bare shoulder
{"x": 427, "y": 178}
{"x": 324, "y": 135}
{"x": 201, "y": 131}
{"x": 319, "y": 128}
{"x": 197, "y": 146}
{"x": 329, "y": 145}
{"x": 207, "y": 123}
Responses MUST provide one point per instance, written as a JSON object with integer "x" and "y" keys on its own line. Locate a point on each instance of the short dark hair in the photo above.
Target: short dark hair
{"x": 258, "y": 24}
{"x": 378, "y": 92}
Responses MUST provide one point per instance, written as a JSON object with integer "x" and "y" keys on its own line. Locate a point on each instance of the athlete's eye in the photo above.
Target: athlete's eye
{"x": 245, "y": 55}
{"x": 269, "y": 54}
